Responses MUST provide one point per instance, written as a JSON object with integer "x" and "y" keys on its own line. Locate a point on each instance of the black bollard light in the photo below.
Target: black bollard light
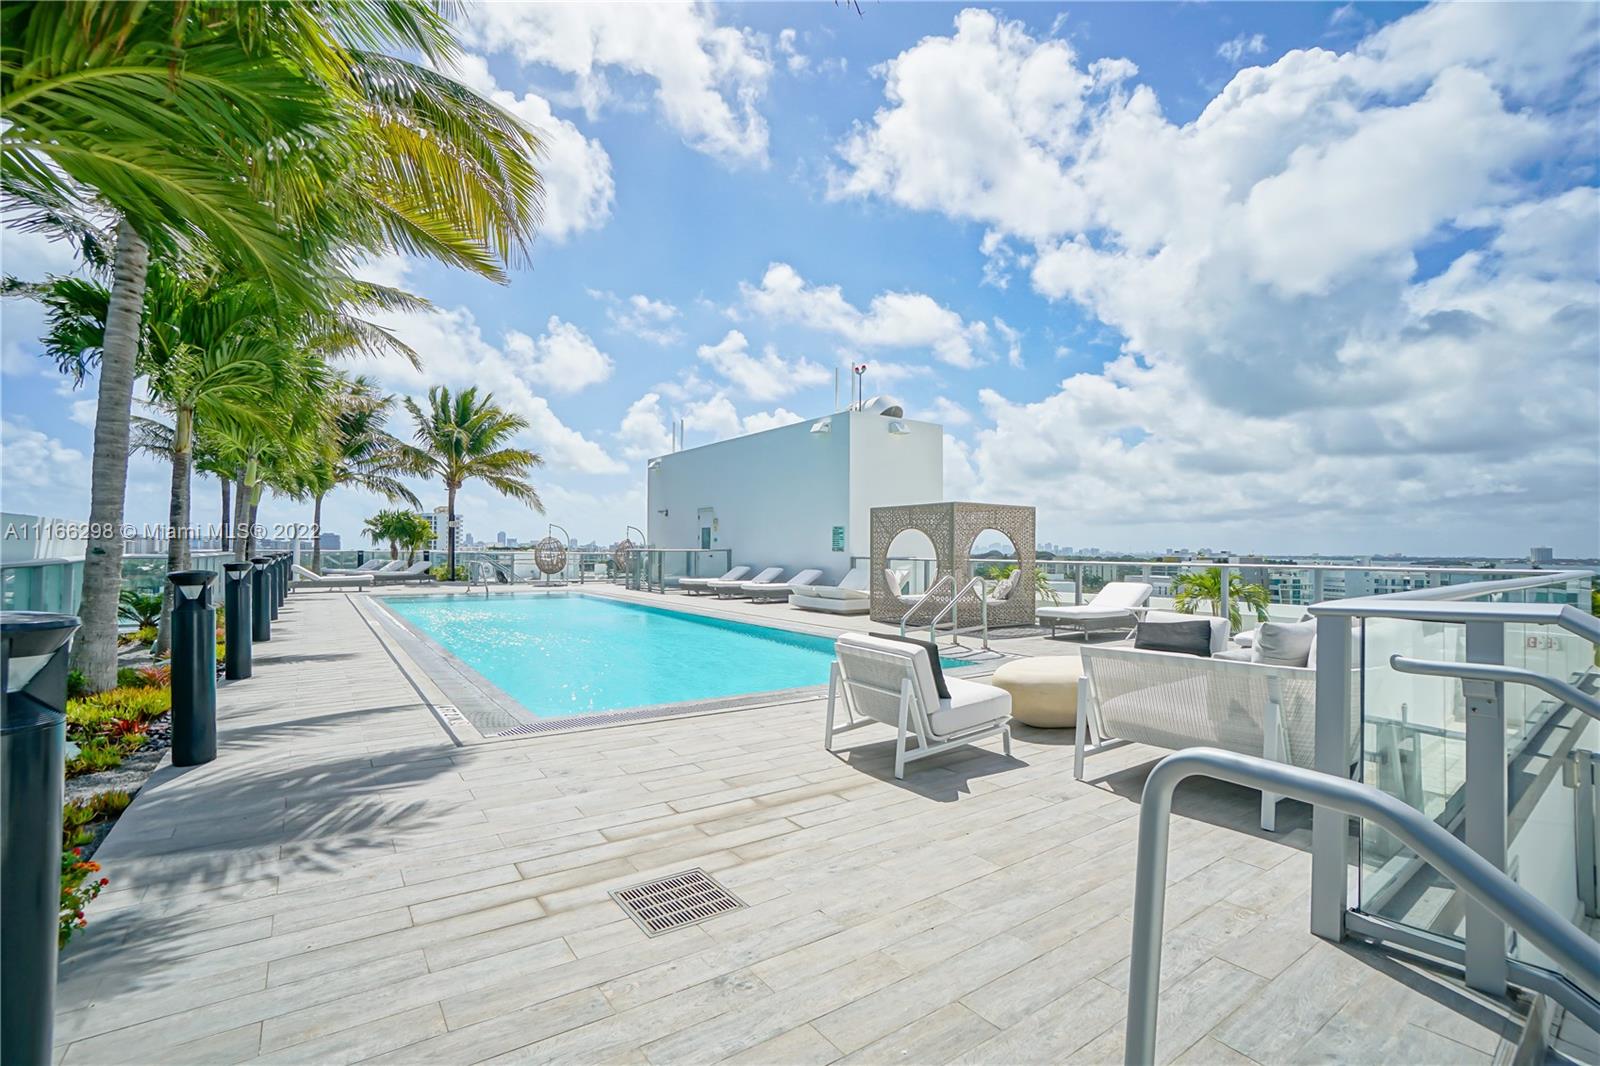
{"x": 274, "y": 584}
{"x": 194, "y": 668}
{"x": 261, "y": 599}
{"x": 33, "y": 734}
{"x": 280, "y": 585}
{"x": 236, "y": 616}
{"x": 285, "y": 572}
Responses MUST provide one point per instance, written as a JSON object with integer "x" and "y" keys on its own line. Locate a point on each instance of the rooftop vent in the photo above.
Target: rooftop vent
{"x": 885, "y": 406}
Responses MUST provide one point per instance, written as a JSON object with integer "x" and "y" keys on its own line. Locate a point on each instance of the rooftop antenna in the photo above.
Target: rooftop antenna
{"x": 835, "y": 389}
{"x": 859, "y": 393}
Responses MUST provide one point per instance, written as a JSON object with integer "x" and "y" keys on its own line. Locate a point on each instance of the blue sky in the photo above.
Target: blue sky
{"x": 1278, "y": 277}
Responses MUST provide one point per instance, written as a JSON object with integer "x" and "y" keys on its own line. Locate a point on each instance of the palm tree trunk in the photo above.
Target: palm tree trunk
{"x": 95, "y": 650}
{"x": 225, "y": 539}
{"x": 177, "y": 520}
{"x": 316, "y": 534}
{"x": 241, "y": 519}
{"x": 394, "y": 551}
{"x": 450, "y": 517}
{"x": 255, "y": 508}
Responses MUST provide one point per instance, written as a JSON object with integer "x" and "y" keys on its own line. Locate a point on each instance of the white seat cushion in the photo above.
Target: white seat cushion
{"x": 834, "y": 592}
{"x": 1085, "y": 613}
{"x": 971, "y": 704}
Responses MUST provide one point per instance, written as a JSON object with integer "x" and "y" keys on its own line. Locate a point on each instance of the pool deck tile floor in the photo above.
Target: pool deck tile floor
{"x": 346, "y": 884}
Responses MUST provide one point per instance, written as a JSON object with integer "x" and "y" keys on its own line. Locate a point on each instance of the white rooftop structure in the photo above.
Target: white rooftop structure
{"x": 800, "y": 495}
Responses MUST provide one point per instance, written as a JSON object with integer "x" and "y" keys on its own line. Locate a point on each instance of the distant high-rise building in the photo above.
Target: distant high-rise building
{"x": 1541, "y": 555}
{"x": 330, "y": 541}
{"x": 439, "y": 520}
{"x": 500, "y": 538}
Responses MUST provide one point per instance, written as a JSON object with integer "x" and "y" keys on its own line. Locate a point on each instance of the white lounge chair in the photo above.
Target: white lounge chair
{"x": 306, "y": 579}
{"x": 696, "y": 585}
{"x": 1115, "y": 607}
{"x": 891, "y": 681}
{"x": 772, "y": 591}
{"x": 727, "y": 589}
{"x": 850, "y": 596}
{"x": 417, "y": 571}
{"x": 371, "y": 566}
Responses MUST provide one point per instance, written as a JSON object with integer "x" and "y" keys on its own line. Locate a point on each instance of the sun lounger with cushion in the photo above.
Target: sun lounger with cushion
{"x": 696, "y": 585}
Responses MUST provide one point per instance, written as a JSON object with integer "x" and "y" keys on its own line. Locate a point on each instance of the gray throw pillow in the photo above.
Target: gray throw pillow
{"x": 932, "y": 649}
{"x": 1284, "y": 643}
{"x": 1189, "y": 637}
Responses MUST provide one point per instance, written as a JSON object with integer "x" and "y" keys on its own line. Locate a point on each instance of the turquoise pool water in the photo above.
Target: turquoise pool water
{"x": 568, "y": 654}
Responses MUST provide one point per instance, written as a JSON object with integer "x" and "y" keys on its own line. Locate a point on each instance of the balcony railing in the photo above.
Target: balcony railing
{"x": 1475, "y": 708}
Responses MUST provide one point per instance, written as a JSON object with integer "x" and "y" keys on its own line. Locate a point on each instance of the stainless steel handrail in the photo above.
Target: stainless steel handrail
{"x": 1576, "y": 954}
{"x": 1579, "y": 623}
{"x": 906, "y": 618}
{"x": 1515, "y": 675}
{"x": 952, "y": 608}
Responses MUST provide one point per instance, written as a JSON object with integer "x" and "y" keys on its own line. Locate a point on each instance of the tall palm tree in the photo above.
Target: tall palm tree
{"x": 359, "y": 452}
{"x": 462, "y": 437}
{"x": 278, "y": 137}
{"x": 1205, "y": 586}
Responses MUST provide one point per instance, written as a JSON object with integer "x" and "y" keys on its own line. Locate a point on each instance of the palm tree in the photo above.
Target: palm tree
{"x": 390, "y": 525}
{"x": 461, "y": 437}
{"x": 1205, "y": 586}
{"x": 359, "y": 452}
{"x": 278, "y": 137}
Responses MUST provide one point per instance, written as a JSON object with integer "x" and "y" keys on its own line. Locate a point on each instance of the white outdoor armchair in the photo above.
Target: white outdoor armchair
{"x": 891, "y": 681}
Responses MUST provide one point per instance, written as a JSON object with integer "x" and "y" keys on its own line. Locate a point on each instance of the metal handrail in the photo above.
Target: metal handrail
{"x": 905, "y": 618}
{"x": 1561, "y": 690}
{"x": 1576, "y": 954}
{"x": 953, "y": 609}
{"x": 1577, "y": 622}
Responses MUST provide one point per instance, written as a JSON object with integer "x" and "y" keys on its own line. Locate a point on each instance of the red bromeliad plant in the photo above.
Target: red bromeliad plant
{"x": 78, "y": 888}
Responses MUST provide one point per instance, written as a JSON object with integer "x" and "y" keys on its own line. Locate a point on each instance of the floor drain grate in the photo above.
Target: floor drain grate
{"x": 673, "y": 902}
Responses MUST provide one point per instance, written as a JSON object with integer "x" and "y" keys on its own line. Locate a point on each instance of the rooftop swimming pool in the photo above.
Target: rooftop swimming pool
{"x": 566, "y": 654}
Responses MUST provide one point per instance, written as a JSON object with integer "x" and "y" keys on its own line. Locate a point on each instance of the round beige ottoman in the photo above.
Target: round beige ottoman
{"x": 1044, "y": 689}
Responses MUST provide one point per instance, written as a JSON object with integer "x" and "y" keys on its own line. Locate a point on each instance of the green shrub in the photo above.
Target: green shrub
{"x": 145, "y": 635}
{"x": 438, "y": 572}
{"x": 110, "y": 804}
{"x": 93, "y": 756}
{"x": 77, "y": 684}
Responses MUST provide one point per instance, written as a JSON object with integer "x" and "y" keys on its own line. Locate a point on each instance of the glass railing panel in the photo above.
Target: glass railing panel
{"x": 1413, "y": 748}
{"x": 1551, "y": 806}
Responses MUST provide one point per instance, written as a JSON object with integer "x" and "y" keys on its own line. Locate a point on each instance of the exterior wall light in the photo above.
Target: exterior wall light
{"x": 823, "y": 425}
{"x": 898, "y": 428}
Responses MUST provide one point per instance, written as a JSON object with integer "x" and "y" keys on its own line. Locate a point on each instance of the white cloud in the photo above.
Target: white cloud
{"x": 717, "y": 417}
{"x": 891, "y": 320}
{"x": 647, "y": 319}
{"x": 793, "y": 59}
{"x": 35, "y": 460}
{"x": 458, "y": 355}
{"x": 574, "y": 170}
{"x": 1013, "y": 340}
{"x": 563, "y": 359}
{"x": 946, "y": 412}
{"x": 1283, "y": 355}
{"x": 709, "y": 79}
{"x": 778, "y": 416}
{"x": 764, "y": 377}
{"x": 1246, "y": 44}
{"x": 643, "y": 432}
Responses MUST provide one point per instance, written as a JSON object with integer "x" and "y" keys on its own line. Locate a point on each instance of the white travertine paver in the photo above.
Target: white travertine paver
{"x": 344, "y": 884}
